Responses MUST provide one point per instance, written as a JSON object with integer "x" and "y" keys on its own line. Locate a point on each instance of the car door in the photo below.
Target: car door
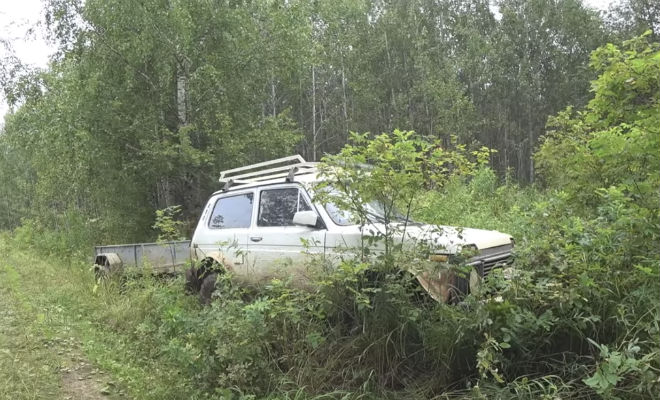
{"x": 224, "y": 228}
{"x": 276, "y": 246}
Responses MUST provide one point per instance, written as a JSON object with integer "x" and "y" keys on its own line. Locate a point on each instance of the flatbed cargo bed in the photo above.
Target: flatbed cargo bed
{"x": 165, "y": 257}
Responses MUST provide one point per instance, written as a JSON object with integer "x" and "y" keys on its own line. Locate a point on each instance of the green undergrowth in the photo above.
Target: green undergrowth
{"x": 484, "y": 202}
{"x": 28, "y": 368}
{"x": 45, "y": 328}
{"x": 578, "y": 320}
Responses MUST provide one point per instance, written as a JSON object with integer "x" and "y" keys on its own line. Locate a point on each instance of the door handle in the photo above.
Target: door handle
{"x": 256, "y": 238}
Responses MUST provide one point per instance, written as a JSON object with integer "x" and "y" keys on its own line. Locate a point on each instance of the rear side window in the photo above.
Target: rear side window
{"x": 277, "y": 206}
{"x": 232, "y": 212}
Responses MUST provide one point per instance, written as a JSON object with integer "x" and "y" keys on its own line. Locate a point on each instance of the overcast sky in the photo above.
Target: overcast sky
{"x": 19, "y": 18}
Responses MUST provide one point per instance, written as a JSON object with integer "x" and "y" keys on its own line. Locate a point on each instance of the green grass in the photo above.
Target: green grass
{"x": 41, "y": 341}
{"x": 56, "y": 317}
{"x": 28, "y": 366}
{"x": 54, "y": 320}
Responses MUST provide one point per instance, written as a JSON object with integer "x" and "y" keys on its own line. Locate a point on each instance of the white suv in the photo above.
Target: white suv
{"x": 264, "y": 223}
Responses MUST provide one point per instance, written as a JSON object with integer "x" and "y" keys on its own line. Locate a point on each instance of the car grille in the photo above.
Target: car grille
{"x": 490, "y": 258}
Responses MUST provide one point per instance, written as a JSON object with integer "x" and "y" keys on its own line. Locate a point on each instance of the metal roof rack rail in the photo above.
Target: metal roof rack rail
{"x": 286, "y": 167}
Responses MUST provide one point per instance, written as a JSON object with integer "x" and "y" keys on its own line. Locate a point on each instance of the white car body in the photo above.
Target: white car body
{"x": 242, "y": 239}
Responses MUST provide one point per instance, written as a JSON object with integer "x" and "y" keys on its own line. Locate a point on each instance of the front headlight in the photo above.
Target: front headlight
{"x": 469, "y": 248}
{"x": 468, "y": 251}
{"x": 439, "y": 257}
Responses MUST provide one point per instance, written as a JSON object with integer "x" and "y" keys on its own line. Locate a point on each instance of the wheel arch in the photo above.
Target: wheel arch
{"x": 216, "y": 258}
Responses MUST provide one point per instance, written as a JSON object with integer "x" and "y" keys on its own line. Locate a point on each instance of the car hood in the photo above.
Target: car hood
{"x": 450, "y": 239}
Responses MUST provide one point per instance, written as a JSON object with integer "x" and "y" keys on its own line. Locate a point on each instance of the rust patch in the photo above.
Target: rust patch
{"x": 438, "y": 286}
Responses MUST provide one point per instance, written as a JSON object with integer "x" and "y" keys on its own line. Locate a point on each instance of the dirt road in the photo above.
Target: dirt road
{"x": 41, "y": 354}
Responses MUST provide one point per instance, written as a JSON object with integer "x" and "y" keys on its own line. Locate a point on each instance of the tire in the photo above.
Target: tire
{"x": 202, "y": 280}
{"x": 207, "y": 288}
{"x": 193, "y": 283}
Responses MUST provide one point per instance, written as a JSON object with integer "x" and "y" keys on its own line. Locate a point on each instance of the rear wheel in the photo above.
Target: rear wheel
{"x": 207, "y": 288}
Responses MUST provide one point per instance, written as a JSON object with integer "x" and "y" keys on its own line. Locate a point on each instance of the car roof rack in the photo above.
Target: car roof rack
{"x": 286, "y": 167}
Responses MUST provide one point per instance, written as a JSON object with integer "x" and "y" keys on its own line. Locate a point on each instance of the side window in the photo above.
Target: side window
{"x": 232, "y": 212}
{"x": 277, "y": 206}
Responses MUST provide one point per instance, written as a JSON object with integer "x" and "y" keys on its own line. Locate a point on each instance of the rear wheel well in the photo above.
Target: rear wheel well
{"x": 211, "y": 264}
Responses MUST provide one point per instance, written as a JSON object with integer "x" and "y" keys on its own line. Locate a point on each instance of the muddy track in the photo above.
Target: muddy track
{"x": 83, "y": 381}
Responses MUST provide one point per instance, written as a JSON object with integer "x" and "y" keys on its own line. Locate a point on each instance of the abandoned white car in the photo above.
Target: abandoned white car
{"x": 264, "y": 222}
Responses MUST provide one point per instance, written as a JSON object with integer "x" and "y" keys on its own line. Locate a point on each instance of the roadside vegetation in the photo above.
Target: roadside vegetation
{"x": 579, "y": 319}
{"x": 542, "y": 121}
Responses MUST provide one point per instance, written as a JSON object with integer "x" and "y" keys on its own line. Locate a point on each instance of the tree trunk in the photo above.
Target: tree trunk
{"x": 181, "y": 91}
{"x": 314, "y": 133}
{"x": 389, "y": 71}
{"x": 506, "y": 142}
{"x": 530, "y": 144}
{"x": 343, "y": 89}
{"x": 272, "y": 95}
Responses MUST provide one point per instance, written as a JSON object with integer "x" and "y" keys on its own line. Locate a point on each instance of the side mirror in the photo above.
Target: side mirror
{"x": 305, "y": 218}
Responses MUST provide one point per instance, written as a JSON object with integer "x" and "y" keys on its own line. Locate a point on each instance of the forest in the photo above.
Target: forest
{"x": 548, "y": 113}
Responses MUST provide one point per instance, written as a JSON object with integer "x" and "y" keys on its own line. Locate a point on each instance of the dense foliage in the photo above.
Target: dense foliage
{"x": 146, "y": 103}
